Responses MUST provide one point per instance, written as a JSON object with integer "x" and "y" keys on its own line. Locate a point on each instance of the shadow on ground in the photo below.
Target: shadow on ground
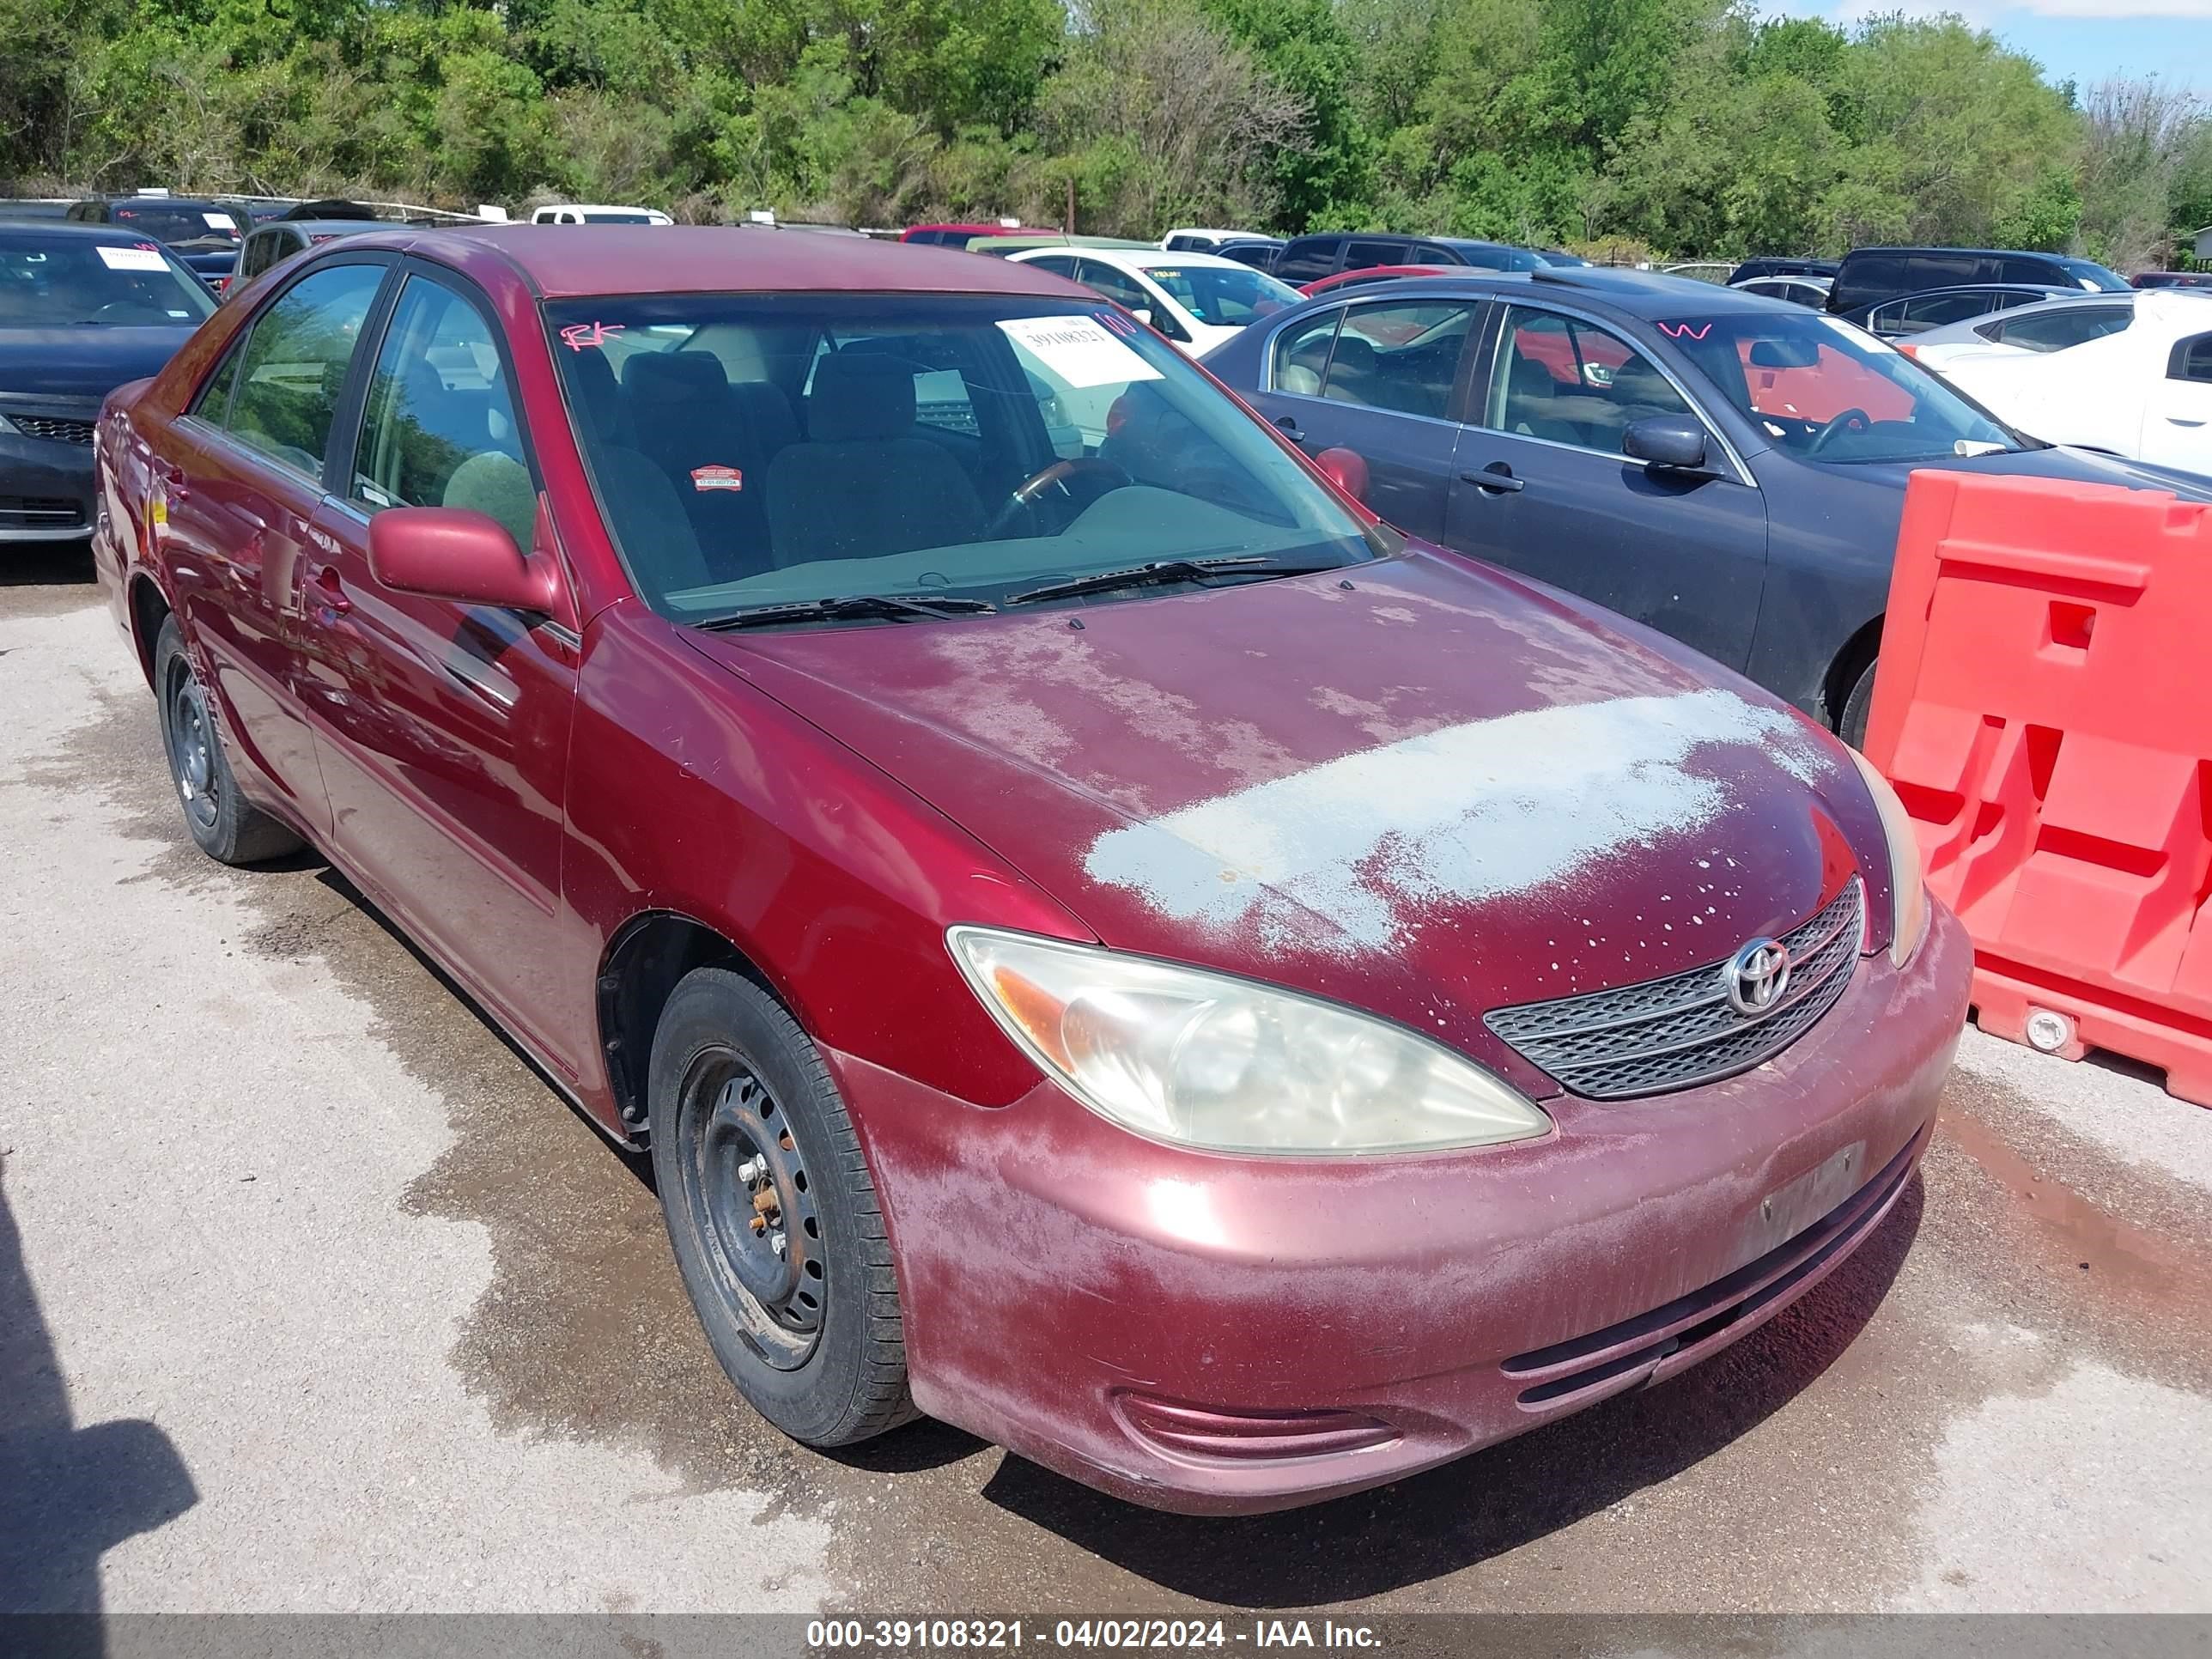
{"x": 66, "y": 1493}
{"x": 46, "y": 564}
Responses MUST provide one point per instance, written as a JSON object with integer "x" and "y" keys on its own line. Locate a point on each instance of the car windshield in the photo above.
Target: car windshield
{"x": 177, "y": 222}
{"x": 617, "y": 218}
{"x": 1223, "y": 296}
{"x": 754, "y": 450}
{"x": 2088, "y": 271}
{"x": 1828, "y": 391}
{"x": 57, "y": 281}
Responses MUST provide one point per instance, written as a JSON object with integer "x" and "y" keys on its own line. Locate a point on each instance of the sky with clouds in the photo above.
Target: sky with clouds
{"x": 2085, "y": 40}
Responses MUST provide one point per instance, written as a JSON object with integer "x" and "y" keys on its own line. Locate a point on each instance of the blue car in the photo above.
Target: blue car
{"x": 83, "y": 309}
{"x": 1727, "y": 468}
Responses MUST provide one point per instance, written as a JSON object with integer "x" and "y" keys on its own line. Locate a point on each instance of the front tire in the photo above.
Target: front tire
{"x": 222, "y": 824}
{"x": 773, "y": 1218}
{"x": 1857, "y": 707}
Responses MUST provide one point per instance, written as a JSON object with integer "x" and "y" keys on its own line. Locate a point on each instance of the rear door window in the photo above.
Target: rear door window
{"x": 292, "y": 368}
{"x": 1307, "y": 258}
{"x": 1941, "y": 271}
{"x": 1941, "y": 310}
{"x": 2191, "y": 361}
{"x": 1359, "y": 255}
{"x": 2055, "y": 331}
{"x": 1866, "y": 277}
{"x": 1403, "y": 356}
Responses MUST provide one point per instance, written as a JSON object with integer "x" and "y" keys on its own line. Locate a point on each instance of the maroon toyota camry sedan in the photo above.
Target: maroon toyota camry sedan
{"x": 1108, "y": 944}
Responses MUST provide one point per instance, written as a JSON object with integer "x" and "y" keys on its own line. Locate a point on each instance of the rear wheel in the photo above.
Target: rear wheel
{"x": 772, "y": 1215}
{"x": 222, "y": 824}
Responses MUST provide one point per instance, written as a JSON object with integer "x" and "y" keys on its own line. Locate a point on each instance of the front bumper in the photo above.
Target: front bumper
{"x": 1218, "y": 1334}
{"x": 46, "y": 489}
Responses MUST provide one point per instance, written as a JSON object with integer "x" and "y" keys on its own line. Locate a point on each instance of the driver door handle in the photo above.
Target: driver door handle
{"x": 1497, "y": 477}
{"x": 330, "y": 592}
{"x": 1288, "y": 424}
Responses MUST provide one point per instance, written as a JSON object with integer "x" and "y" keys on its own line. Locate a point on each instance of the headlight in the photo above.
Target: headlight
{"x": 1205, "y": 1061}
{"x": 1908, "y": 886}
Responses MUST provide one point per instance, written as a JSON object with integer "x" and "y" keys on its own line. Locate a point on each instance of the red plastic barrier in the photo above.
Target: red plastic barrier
{"x": 2044, "y": 706}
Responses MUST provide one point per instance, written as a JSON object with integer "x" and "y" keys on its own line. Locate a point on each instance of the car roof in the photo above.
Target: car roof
{"x": 197, "y": 203}
{"x": 560, "y": 263}
{"x": 77, "y": 229}
{"x": 1142, "y": 259}
{"x": 1977, "y": 252}
{"x": 349, "y": 226}
{"x": 1644, "y": 295}
{"x": 2046, "y": 288}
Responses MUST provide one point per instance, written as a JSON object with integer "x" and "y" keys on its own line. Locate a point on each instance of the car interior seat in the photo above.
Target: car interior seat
{"x": 689, "y": 418}
{"x": 864, "y": 484}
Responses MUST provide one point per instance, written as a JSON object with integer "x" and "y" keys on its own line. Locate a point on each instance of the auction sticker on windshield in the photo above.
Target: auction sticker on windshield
{"x": 1077, "y": 349}
{"x": 131, "y": 258}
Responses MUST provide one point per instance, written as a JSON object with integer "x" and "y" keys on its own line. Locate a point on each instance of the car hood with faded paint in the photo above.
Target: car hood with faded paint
{"x": 1412, "y": 786}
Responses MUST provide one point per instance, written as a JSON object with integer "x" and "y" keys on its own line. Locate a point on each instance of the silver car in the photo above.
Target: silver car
{"x": 2046, "y": 325}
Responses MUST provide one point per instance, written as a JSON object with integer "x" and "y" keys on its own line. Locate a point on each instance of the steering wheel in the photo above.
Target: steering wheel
{"x": 1851, "y": 420}
{"x": 1031, "y": 488}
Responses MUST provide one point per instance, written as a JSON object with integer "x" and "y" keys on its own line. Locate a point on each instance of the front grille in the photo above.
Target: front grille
{"x": 1676, "y": 1032}
{"x": 1704, "y": 1318}
{"x": 40, "y": 513}
{"x": 53, "y": 427}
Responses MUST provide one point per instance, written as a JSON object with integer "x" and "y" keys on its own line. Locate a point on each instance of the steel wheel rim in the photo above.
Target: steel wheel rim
{"x": 192, "y": 749}
{"x": 746, "y": 1183}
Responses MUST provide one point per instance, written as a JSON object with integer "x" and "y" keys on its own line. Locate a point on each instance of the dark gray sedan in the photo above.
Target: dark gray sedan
{"x": 1727, "y": 468}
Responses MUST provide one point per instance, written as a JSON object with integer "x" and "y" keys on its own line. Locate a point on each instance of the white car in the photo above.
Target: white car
{"x": 1199, "y": 238}
{"x": 599, "y": 213}
{"x": 1197, "y": 300}
{"x": 2049, "y": 326}
{"x": 2144, "y": 393}
{"x": 1807, "y": 290}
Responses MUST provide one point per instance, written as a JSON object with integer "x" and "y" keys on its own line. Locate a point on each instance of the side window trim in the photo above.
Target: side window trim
{"x": 1336, "y": 316}
{"x": 1495, "y": 353}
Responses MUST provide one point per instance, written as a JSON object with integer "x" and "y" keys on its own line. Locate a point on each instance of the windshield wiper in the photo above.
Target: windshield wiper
{"x": 1167, "y": 570}
{"x": 893, "y": 607}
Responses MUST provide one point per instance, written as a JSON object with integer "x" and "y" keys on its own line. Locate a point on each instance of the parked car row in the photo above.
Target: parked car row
{"x": 1009, "y": 834}
{"x": 83, "y": 309}
{"x": 1723, "y": 467}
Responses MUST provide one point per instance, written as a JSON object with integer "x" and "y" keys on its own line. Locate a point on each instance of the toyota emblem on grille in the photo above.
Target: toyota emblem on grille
{"x": 1756, "y": 976}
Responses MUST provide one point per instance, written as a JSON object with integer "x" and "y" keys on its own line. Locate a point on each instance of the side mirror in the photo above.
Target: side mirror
{"x": 1143, "y": 314}
{"x": 457, "y": 553}
{"x": 1669, "y": 443}
{"x": 1347, "y": 469}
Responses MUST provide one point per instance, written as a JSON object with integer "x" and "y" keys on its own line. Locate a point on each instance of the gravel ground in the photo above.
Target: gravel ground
{"x": 312, "y": 1296}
